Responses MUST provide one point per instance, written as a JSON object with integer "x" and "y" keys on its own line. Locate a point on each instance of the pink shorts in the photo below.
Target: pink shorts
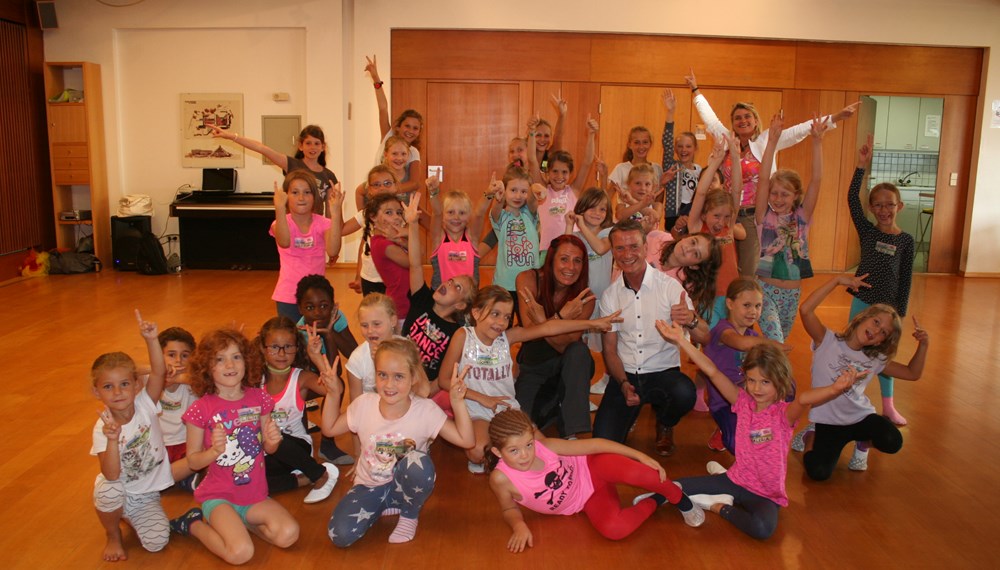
{"x": 443, "y": 400}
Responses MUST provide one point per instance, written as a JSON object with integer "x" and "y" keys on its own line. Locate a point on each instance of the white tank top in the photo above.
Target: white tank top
{"x": 490, "y": 373}
{"x": 289, "y": 407}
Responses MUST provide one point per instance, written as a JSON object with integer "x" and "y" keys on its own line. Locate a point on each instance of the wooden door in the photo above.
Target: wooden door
{"x": 469, "y": 128}
{"x": 624, "y": 107}
{"x": 67, "y": 123}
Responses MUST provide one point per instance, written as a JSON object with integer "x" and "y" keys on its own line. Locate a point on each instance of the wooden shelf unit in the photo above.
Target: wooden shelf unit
{"x": 76, "y": 150}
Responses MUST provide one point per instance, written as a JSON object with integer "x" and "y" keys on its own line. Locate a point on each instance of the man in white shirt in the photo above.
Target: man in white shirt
{"x": 644, "y": 368}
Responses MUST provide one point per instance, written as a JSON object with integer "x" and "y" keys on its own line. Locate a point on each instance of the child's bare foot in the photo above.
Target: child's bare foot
{"x": 114, "y": 550}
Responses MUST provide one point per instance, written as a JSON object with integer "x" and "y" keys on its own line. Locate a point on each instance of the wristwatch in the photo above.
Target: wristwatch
{"x": 693, "y": 324}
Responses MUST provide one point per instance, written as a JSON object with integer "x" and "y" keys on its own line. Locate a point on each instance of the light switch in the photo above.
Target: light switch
{"x": 953, "y": 181}
{"x": 436, "y": 170}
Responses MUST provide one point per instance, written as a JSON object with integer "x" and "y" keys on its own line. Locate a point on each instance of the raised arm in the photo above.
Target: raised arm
{"x": 333, "y": 423}
{"x": 807, "y": 310}
{"x": 708, "y": 116}
{"x": 557, "y": 132}
{"x": 256, "y": 146}
{"x": 861, "y": 223}
{"x": 670, "y": 105}
{"x": 764, "y": 184}
{"x": 588, "y": 157}
{"x": 281, "y": 233}
{"x": 812, "y": 191}
{"x": 335, "y": 208}
{"x": 715, "y": 159}
{"x": 534, "y": 168}
{"x": 496, "y": 191}
{"x": 433, "y": 184}
{"x": 371, "y": 67}
{"x": 736, "y": 173}
{"x": 914, "y": 369}
{"x": 673, "y": 333}
{"x": 411, "y": 213}
{"x": 157, "y": 367}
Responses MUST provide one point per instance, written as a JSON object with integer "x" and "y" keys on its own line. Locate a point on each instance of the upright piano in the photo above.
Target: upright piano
{"x": 221, "y": 230}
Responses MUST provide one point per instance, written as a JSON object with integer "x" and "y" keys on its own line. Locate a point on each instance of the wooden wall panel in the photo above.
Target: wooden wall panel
{"x": 624, "y": 107}
{"x": 827, "y": 220}
{"x": 476, "y": 146}
{"x": 957, "y": 127}
{"x": 666, "y": 60}
{"x": 584, "y": 100}
{"x": 908, "y": 70}
{"x": 459, "y": 54}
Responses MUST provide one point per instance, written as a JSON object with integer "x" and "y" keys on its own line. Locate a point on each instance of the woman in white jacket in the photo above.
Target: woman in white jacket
{"x": 746, "y": 126}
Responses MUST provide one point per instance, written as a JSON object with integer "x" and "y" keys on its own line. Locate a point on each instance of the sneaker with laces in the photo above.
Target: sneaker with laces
{"x": 695, "y": 516}
{"x": 859, "y": 461}
{"x": 182, "y": 524}
{"x": 798, "y": 442}
{"x": 715, "y": 442}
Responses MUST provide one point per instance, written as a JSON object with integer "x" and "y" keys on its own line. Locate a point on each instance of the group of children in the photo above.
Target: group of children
{"x": 227, "y": 417}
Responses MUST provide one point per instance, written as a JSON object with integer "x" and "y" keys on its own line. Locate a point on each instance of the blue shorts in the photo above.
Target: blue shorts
{"x": 208, "y": 506}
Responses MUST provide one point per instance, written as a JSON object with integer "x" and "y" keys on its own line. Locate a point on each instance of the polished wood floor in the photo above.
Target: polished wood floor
{"x": 935, "y": 504}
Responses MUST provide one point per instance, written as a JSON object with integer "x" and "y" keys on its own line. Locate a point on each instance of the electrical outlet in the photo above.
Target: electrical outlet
{"x": 953, "y": 181}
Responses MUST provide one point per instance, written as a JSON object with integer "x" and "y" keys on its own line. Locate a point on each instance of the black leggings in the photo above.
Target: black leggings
{"x": 292, "y": 453}
{"x": 830, "y": 440}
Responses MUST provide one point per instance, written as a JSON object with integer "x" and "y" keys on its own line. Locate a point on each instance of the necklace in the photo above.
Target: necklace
{"x": 284, "y": 370}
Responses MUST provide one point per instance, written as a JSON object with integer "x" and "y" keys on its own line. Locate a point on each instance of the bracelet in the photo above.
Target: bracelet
{"x": 378, "y": 84}
{"x": 693, "y": 324}
{"x": 532, "y": 133}
{"x": 236, "y": 136}
{"x": 693, "y": 89}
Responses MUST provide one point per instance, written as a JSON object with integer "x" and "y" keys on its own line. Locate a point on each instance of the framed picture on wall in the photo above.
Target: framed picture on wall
{"x": 199, "y": 113}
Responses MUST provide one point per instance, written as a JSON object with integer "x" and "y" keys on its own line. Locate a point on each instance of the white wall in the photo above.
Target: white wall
{"x": 87, "y": 33}
{"x": 152, "y": 52}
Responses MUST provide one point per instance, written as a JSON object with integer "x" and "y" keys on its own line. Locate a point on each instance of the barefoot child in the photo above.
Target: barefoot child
{"x": 129, "y": 446}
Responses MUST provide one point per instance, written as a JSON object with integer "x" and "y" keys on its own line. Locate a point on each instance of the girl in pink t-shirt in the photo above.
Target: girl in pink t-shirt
{"x": 229, "y": 429}
{"x": 749, "y": 494}
{"x": 564, "y": 477}
{"x": 394, "y": 473}
{"x": 304, "y": 238}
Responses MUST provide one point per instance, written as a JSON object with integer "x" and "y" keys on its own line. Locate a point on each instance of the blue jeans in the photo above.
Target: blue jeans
{"x": 412, "y": 483}
{"x": 670, "y": 392}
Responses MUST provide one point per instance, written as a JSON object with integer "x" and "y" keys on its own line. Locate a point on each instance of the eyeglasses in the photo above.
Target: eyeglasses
{"x": 383, "y": 184}
{"x": 278, "y": 348}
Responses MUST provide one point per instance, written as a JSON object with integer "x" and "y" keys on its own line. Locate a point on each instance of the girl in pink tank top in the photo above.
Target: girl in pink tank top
{"x": 564, "y": 477}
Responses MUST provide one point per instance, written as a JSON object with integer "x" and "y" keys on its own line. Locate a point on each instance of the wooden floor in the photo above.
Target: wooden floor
{"x": 935, "y": 504}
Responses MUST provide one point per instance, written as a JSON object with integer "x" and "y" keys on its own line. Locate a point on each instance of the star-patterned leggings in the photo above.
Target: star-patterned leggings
{"x": 412, "y": 483}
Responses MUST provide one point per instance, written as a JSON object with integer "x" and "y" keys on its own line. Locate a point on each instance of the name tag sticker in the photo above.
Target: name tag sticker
{"x": 886, "y": 248}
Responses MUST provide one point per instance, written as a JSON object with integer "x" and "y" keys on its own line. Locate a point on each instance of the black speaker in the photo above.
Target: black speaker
{"x": 47, "y": 15}
{"x": 126, "y": 234}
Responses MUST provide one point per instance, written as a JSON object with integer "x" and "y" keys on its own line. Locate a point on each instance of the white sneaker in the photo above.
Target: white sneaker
{"x": 477, "y": 468}
{"x": 600, "y": 385}
{"x": 706, "y": 501}
{"x": 694, "y": 517}
{"x": 640, "y": 498}
{"x": 715, "y": 468}
{"x": 317, "y": 495}
{"x": 859, "y": 461}
{"x": 799, "y": 442}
